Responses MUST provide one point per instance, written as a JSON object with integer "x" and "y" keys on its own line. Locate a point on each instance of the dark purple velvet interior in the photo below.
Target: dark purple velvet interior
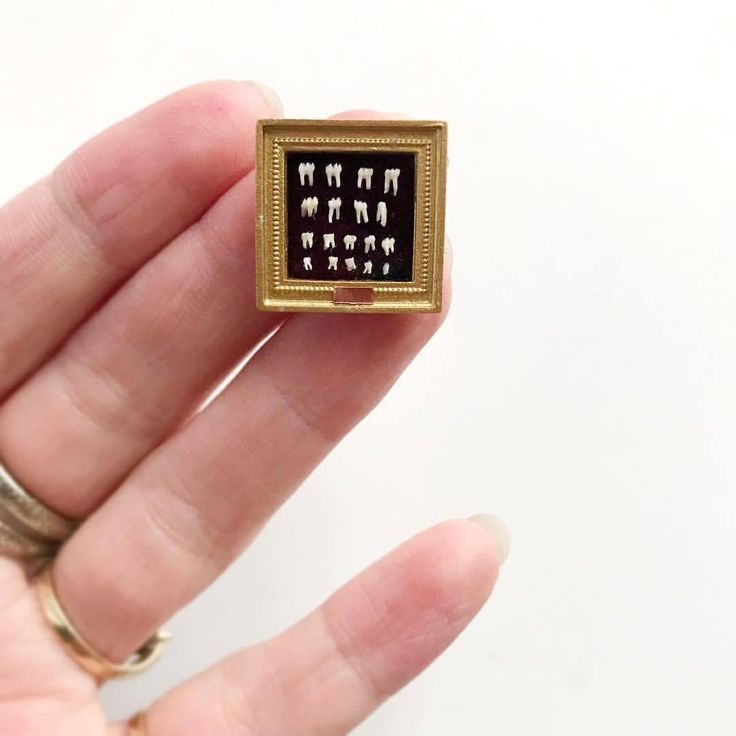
{"x": 399, "y": 222}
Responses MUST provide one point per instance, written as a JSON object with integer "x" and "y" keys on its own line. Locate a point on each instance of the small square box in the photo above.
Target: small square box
{"x": 350, "y": 215}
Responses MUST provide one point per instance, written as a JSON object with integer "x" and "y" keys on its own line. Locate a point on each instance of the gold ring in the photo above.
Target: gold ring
{"x": 137, "y": 725}
{"x": 28, "y": 515}
{"x": 83, "y": 653}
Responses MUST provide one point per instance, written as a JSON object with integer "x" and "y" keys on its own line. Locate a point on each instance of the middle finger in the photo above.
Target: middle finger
{"x": 192, "y": 505}
{"x": 131, "y": 373}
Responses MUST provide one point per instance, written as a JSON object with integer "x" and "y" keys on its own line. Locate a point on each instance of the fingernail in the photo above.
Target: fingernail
{"x": 498, "y": 530}
{"x": 449, "y": 253}
{"x": 274, "y": 102}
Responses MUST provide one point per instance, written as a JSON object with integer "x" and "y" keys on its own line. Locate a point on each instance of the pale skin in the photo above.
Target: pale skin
{"x": 126, "y": 293}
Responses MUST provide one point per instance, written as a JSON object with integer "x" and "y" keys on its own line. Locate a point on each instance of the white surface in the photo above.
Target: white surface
{"x": 584, "y": 388}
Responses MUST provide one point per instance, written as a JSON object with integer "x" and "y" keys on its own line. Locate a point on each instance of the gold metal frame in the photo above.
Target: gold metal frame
{"x": 426, "y": 140}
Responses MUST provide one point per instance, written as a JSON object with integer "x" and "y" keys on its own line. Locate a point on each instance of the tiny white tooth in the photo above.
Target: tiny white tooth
{"x": 364, "y": 177}
{"x": 368, "y": 267}
{"x": 361, "y": 210}
{"x": 333, "y": 174}
{"x": 332, "y": 266}
{"x": 306, "y": 172}
{"x": 386, "y": 269}
{"x": 370, "y": 242}
{"x": 329, "y": 240}
{"x": 334, "y": 205}
{"x": 307, "y": 263}
{"x": 350, "y": 263}
{"x": 381, "y": 213}
{"x": 391, "y": 180}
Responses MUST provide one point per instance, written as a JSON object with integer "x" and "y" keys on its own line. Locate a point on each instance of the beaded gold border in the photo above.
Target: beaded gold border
{"x": 427, "y": 140}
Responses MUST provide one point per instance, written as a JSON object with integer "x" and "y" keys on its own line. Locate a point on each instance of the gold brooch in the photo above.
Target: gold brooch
{"x": 350, "y": 215}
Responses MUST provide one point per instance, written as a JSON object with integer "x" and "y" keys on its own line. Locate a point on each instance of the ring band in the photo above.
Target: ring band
{"x": 30, "y": 517}
{"x": 83, "y": 653}
{"x": 16, "y": 545}
{"x": 137, "y": 725}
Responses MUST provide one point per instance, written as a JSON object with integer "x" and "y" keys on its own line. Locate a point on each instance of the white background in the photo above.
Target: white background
{"x": 584, "y": 386}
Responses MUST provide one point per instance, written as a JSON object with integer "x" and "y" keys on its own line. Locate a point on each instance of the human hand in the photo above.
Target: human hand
{"x": 126, "y": 294}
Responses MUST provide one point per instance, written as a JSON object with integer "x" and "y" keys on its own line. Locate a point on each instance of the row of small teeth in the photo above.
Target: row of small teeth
{"x": 349, "y": 263}
{"x": 361, "y": 212}
{"x": 369, "y": 241}
{"x": 365, "y": 176}
{"x": 310, "y": 204}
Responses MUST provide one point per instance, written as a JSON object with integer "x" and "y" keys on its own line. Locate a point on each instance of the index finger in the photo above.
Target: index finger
{"x": 72, "y": 238}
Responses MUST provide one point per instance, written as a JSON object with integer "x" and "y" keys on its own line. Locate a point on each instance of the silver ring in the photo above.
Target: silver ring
{"x": 16, "y": 545}
{"x": 28, "y": 528}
